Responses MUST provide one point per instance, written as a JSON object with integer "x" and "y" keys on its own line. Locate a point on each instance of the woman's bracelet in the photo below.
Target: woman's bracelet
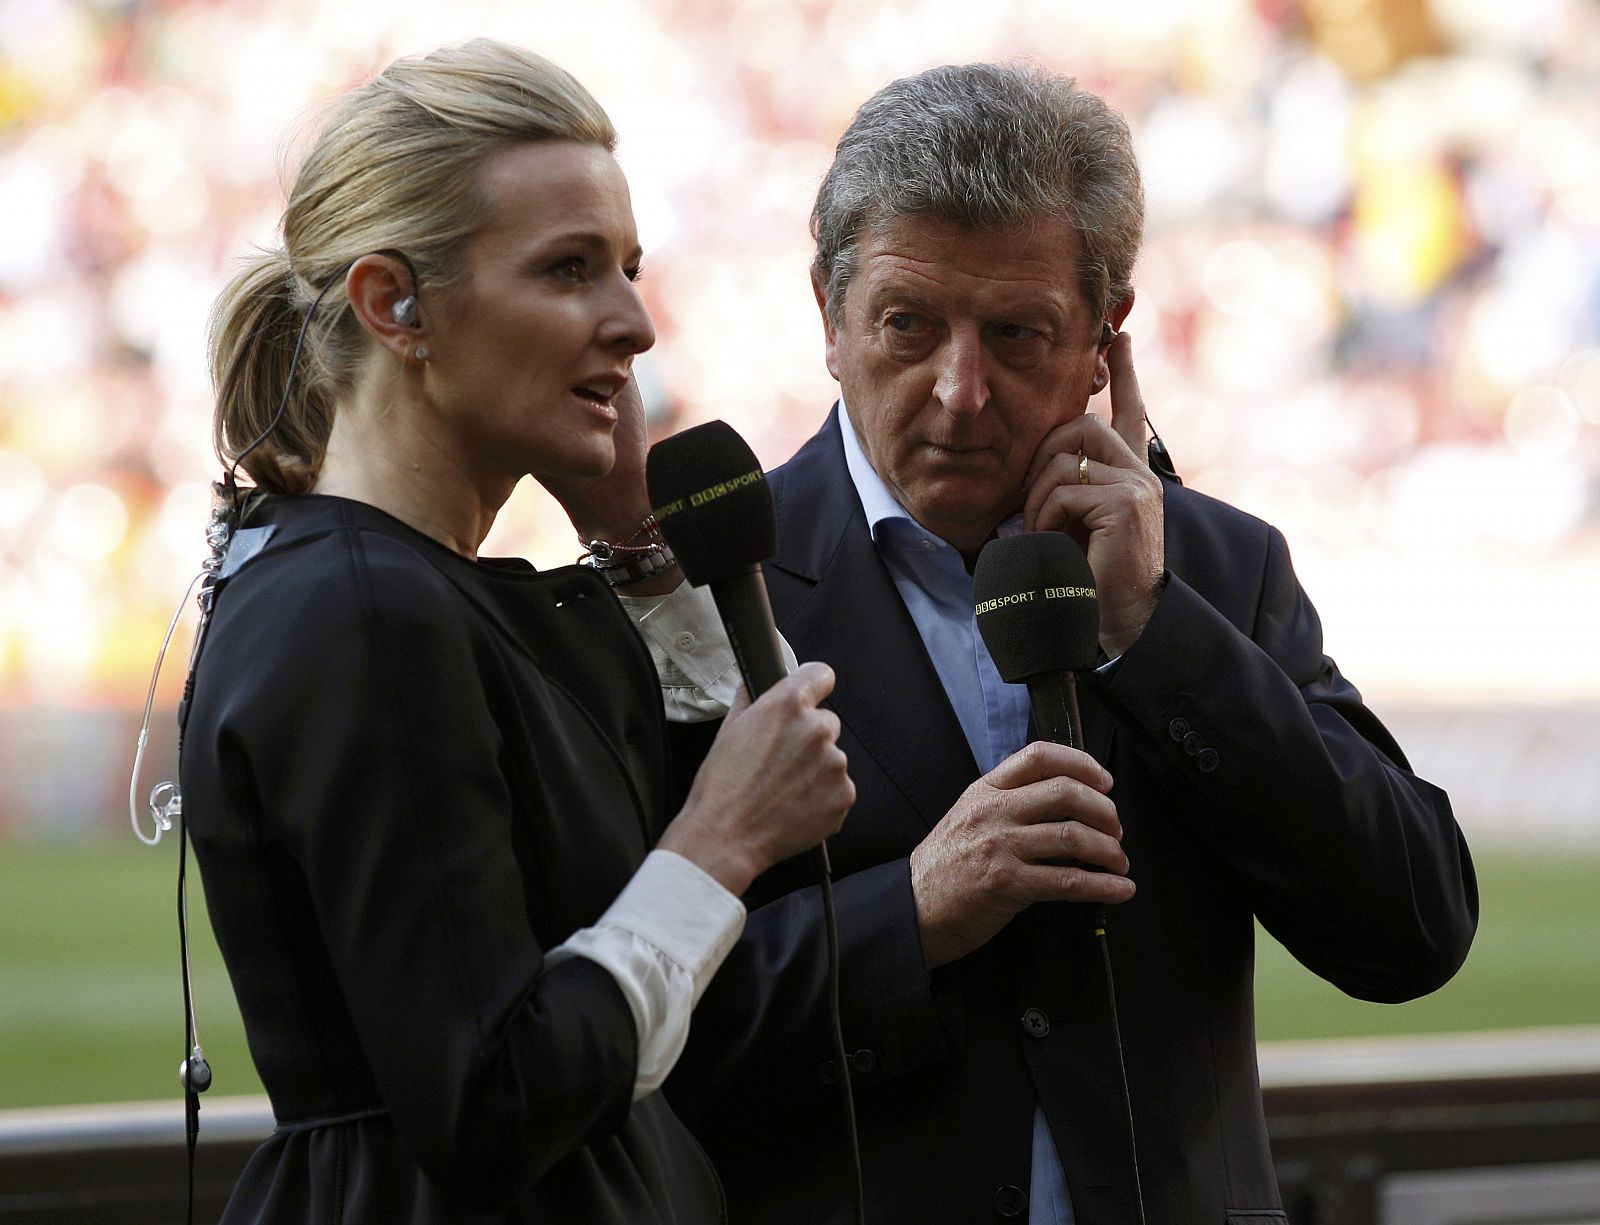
{"x": 626, "y": 561}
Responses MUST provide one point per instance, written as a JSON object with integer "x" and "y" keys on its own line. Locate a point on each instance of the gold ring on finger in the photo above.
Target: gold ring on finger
{"x": 1083, "y": 469}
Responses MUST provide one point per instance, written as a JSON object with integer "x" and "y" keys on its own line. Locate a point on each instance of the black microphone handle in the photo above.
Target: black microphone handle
{"x": 746, "y": 613}
{"x": 1054, "y": 696}
{"x": 747, "y": 616}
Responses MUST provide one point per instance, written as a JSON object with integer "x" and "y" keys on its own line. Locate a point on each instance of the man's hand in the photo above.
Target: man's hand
{"x": 1116, "y": 512}
{"x": 1039, "y": 827}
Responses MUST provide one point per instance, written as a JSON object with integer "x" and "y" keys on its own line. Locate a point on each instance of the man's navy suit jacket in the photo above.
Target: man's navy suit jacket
{"x": 1251, "y": 782}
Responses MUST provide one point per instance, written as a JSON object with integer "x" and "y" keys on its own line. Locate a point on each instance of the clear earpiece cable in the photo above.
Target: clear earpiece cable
{"x": 160, "y": 813}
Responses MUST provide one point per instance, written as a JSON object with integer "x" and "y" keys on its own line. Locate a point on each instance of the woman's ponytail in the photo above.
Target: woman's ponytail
{"x": 254, "y": 326}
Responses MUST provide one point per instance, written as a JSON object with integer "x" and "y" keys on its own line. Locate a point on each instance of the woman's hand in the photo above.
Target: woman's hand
{"x": 611, "y": 507}
{"x": 774, "y": 784}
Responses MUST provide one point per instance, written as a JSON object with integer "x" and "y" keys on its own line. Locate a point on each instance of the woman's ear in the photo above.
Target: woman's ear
{"x": 383, "y": 297}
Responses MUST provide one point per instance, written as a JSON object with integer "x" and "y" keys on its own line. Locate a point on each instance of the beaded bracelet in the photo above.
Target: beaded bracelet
{"x": 626, "y": 562}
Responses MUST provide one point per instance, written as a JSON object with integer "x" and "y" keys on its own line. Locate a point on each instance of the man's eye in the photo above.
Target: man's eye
{"x": 1015, "y": 331}
{"x": 903, "y": 323}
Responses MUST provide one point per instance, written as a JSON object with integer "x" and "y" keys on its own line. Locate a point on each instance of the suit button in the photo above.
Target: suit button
{"x": 864, "y": 1062}
{"x": 1010, "y": 1202}
{"x": 1192, "y": 743}
{"x": 1035, "y": 1023}
{"x": 828, "y": 1072}
{"x": 1207, "y": 760}
{"x": 1178, "y": 729}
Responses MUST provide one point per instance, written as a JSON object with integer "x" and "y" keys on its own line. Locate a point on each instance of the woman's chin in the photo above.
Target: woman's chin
{"x": 576, "y": 465}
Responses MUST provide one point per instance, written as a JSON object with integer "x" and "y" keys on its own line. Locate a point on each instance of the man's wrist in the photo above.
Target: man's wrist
{"x": 1116, "y": 640}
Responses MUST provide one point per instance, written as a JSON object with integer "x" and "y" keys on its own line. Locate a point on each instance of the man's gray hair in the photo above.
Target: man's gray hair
{"x": 985, "y": 146}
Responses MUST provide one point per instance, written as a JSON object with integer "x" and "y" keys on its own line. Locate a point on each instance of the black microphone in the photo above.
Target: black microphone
{"x": 1039, "y": 616}
{"x": 715, "y": 509}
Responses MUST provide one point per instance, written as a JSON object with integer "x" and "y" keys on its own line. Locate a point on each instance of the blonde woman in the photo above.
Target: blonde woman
{"x": 428, "y": 791}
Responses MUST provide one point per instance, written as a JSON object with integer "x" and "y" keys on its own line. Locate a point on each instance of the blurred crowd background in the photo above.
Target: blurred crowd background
{"x": 1368, "y": 310}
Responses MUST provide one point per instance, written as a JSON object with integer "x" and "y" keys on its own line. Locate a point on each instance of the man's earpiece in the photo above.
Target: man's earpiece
{"x": 405, "y": 311}
{"x": 1106, "y": 333}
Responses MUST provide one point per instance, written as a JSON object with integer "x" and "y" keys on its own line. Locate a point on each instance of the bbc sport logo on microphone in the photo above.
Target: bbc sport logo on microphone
{"x": 1026, "y": 597}
{"x": 709, "y": 494}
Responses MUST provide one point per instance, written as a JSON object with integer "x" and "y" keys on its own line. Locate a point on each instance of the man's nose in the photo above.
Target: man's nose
{"x": 962, "y": 383}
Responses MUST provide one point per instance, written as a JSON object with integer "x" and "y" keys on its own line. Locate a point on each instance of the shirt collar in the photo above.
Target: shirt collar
{"x": 877, "y": 502}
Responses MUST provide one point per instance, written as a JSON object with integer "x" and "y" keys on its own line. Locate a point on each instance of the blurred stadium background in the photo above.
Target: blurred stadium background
{"x": 1369, "y": 311}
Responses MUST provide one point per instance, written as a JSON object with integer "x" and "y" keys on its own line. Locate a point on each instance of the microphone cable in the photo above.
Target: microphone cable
{"x": 1075, "y": 716}
{"x": 830, "y": 923}
{"x": 1122, "y": 1063}
{"x": 1075, "y": 724}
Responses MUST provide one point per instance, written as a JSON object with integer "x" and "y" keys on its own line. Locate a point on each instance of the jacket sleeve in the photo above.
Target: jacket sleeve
{"x": 1348, "y": 858}
{"x": 362, "y": 747}
{"x": 764, "y": 1024}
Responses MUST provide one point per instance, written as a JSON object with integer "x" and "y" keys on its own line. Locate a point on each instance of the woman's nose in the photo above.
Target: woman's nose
{"x": 629, "y": 326}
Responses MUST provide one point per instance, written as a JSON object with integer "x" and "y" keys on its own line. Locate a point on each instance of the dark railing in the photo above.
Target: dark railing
{"x": 1471, "y": 1129}
{"x": 1486, "y": 1129}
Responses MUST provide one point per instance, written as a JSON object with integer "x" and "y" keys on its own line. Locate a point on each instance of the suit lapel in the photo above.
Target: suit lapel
{"x": 834, "y": 597}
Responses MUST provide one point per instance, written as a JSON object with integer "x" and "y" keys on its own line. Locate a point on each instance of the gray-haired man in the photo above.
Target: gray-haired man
{"x": 976, "y": 236}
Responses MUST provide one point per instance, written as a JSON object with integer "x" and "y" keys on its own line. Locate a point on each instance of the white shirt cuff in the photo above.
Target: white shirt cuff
{"x": 693, "y": 657}
{"x": 662, "y": 940}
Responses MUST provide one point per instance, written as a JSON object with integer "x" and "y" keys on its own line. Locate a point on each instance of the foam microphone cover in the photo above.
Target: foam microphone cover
{"x": 712, "y": 502}
{"x": 1037, "y": 607}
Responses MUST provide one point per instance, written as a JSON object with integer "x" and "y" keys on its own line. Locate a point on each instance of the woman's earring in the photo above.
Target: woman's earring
{"x": 421, "y": 353}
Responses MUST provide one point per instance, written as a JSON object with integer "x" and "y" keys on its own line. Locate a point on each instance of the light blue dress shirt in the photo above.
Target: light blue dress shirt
{"x": 933, "y": 581}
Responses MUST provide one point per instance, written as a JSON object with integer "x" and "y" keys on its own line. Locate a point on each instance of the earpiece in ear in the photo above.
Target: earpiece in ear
{"x": 1106, "y": 334}
{"x": 405, "y": 311}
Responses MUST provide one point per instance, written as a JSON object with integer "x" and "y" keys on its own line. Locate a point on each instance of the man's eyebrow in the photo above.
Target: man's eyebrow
{"x": 1050, "y": 303}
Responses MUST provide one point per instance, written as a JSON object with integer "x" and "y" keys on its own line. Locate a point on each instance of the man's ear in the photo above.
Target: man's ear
{"x": 1119, "y": 312}
{"x": 1114, "y": 319}
{"x": 379, "y": 287}
{"x": 819, "y": 290}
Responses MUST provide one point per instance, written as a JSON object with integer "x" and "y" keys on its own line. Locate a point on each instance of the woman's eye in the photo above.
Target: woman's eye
{"x": 569, "y": 269}
{"x": 634, "y": 273}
